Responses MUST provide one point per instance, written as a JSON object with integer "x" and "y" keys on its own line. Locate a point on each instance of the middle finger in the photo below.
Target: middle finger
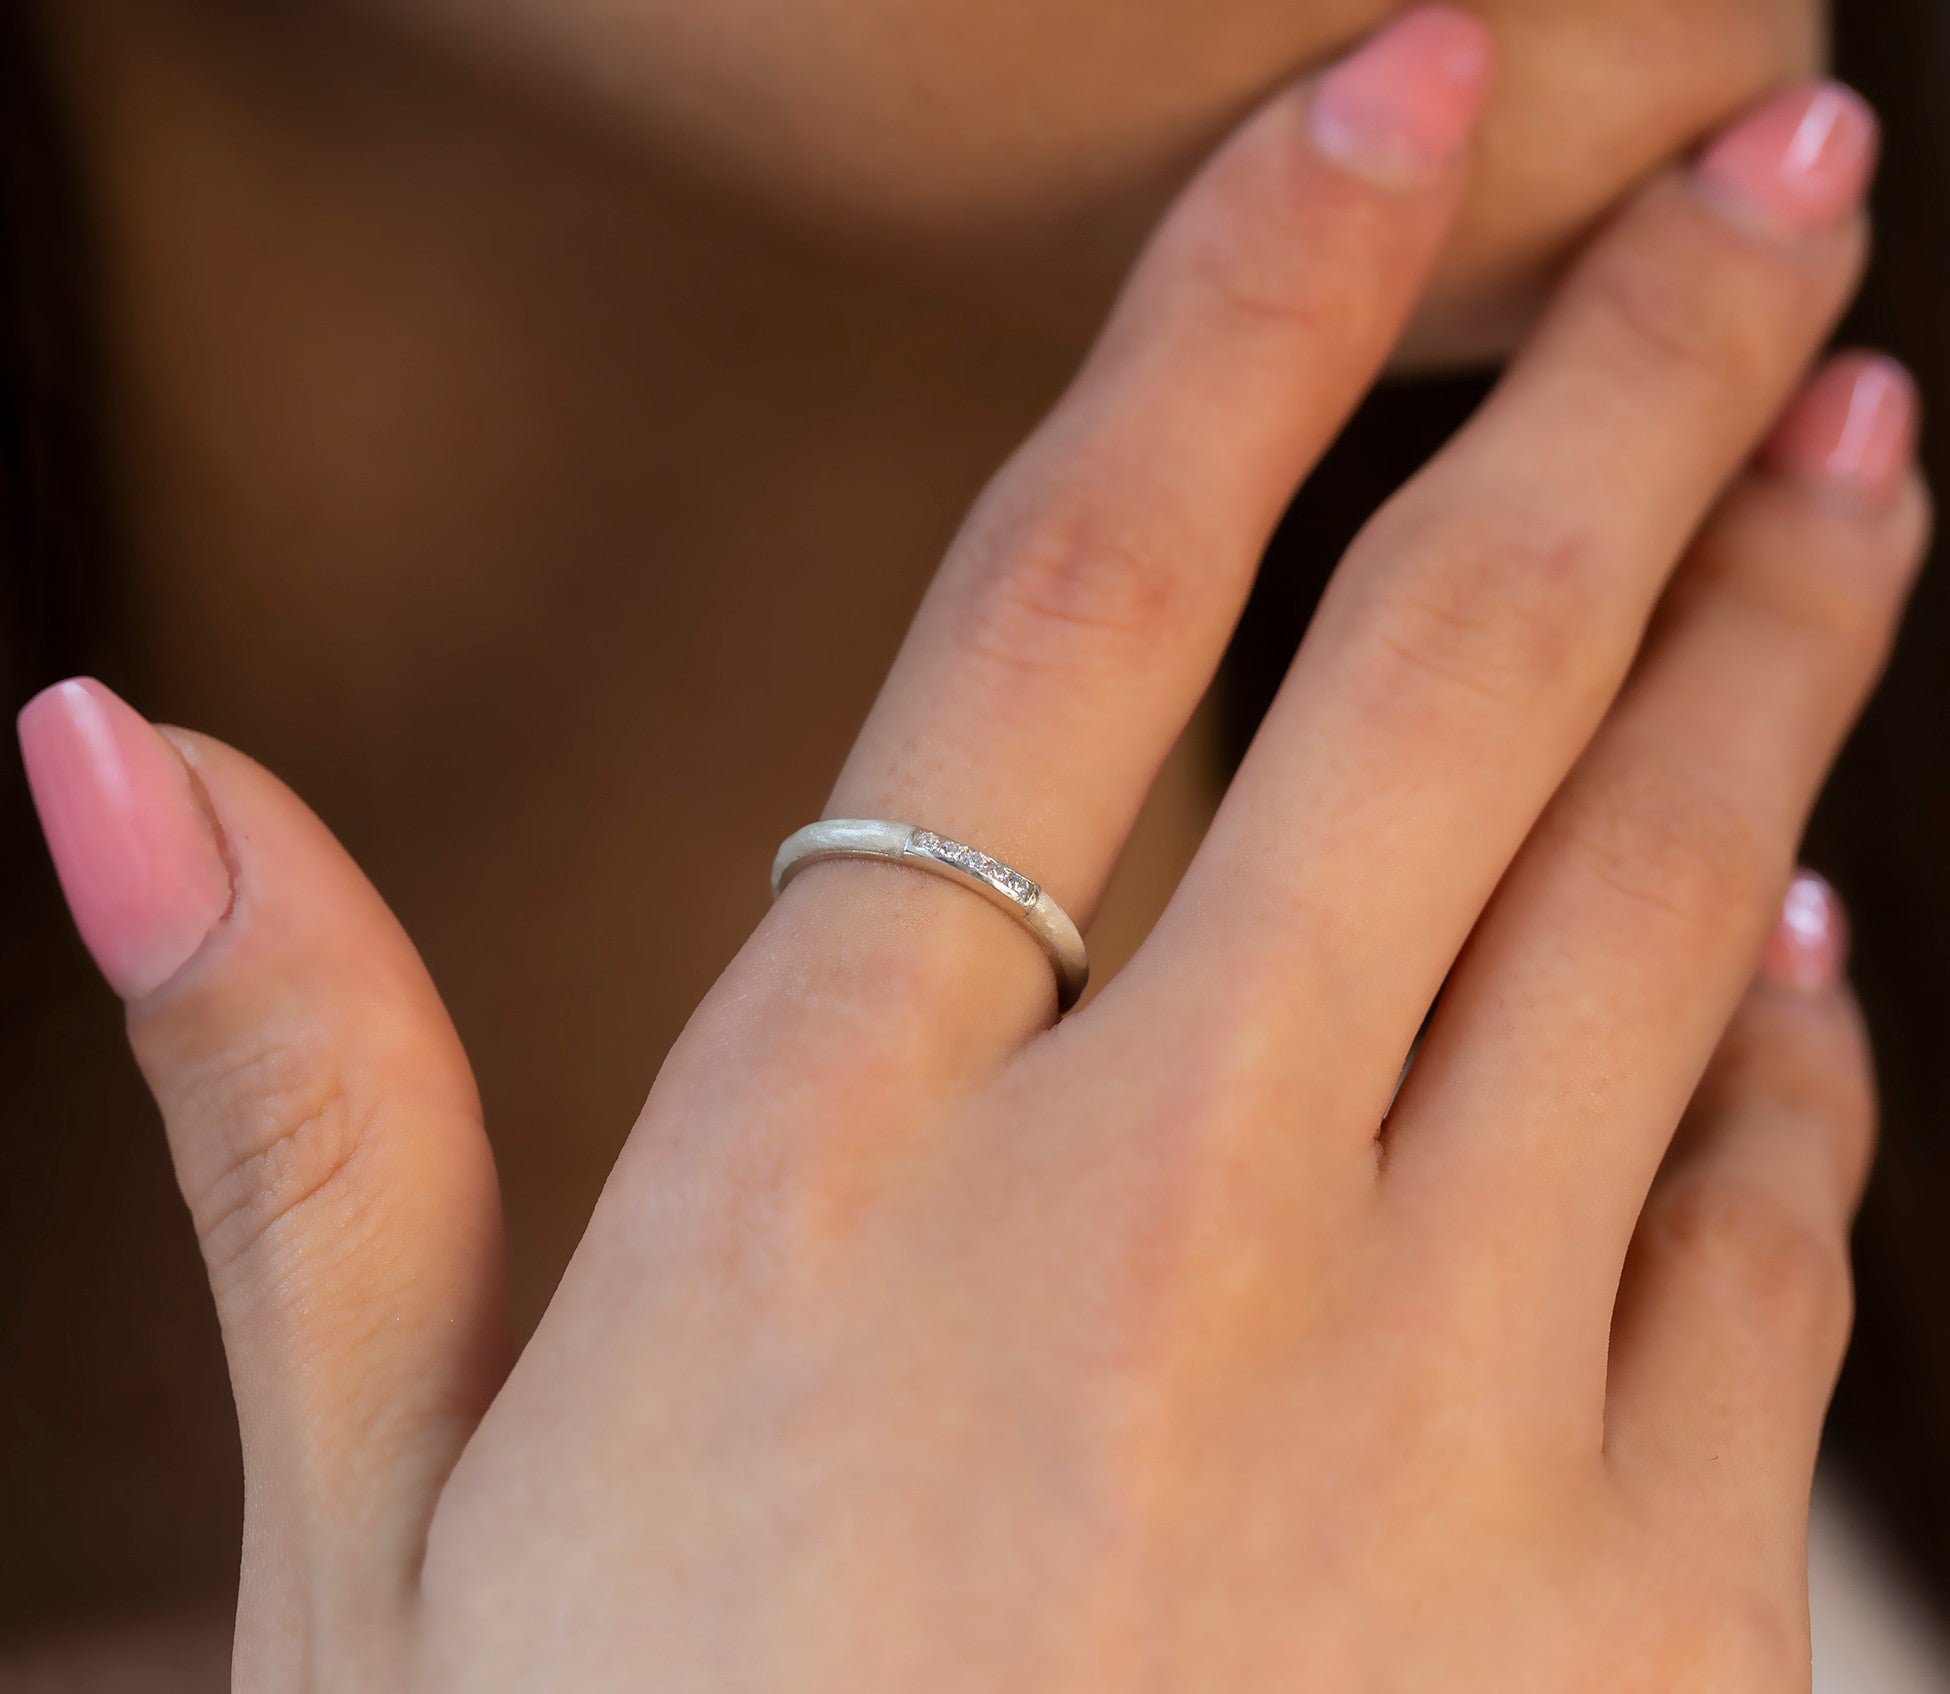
{"x": 1475, "y": 636}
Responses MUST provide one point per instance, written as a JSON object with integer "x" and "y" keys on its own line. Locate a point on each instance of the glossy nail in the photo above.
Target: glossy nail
{"x": 1798, "y": 164}
{"x": 1851, "y": 429}
{"x": 132, "y": 844}
{"x": 1809, "y": 947}
{"x": 1401, "y": 109}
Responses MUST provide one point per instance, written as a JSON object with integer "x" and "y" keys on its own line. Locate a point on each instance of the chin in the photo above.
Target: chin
{"x": 1017, "y": 150}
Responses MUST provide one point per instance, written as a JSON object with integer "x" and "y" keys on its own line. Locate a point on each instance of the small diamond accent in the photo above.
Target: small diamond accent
{"x": 994, "y": 872}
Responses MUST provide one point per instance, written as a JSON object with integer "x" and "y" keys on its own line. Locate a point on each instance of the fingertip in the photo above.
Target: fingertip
{"x": 1809, "y": 946}
{"x": 1797, "y": 163}
{"x": 1852, "y": 430}
{"x": 134, "y": 847}
{"x": 1798, "y": 1049}
{"x": 1402, "y": 108}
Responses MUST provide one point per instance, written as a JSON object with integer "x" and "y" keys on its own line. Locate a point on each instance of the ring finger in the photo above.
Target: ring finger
{"x": 1082, "y": 612}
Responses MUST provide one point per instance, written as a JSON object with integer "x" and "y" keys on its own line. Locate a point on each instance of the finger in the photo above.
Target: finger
{"x": 1472, "y": 640}
{"x": 1082, "y": 613}
{"x": 324, "y": 1126}
{"x": 1573, "y": 1032}
{"x": 1735, "y": 1306}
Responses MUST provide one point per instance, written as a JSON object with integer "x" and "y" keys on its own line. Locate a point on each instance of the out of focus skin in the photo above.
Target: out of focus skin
{"x": 487, "y": 389}
{"x": 1009, "y": 142}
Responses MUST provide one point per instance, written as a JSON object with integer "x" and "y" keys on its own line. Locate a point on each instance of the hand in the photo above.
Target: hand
{"x": 914, "y": 1345}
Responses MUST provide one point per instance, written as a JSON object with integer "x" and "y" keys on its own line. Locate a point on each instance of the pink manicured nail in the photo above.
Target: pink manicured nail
{"x": 1852, "y": 428}
{"x": 135, "y": 851}
{"x": 1799, "y": 163}
{"x": 1402, "y": 108}
{"x": 1809, "y": 947}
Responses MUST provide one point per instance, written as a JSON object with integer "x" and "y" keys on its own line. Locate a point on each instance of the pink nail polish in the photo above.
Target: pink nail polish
{"x": 1402, "y": 108}
{"x": 134, "y": 849}
{"x": 1798, "y": 164}
{"x": 1809, "y": 947}
{"x": 1852, "y": 428}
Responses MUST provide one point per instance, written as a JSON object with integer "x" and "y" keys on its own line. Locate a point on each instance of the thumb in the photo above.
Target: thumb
{"x": 326, "y": 1135}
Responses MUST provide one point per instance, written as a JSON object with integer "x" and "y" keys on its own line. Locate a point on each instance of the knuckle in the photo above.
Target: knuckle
{"x": 1240, "y": 287}
{"x": 1085, "y": 578}
{"x": 1759, "y": 1250}
{"x": 283, "y": 1127}
{"x": 1849, "y": 588}
{"x": 1501, "y": 608}
{"x": 1709, "y": 315}
{"x": 1668, "y": 840}
{"x": 1241, "y": 260}
{"x": 1661, "y": 313}
{"x": 1848, "y": 612}
{"x": 1798, "y": 580}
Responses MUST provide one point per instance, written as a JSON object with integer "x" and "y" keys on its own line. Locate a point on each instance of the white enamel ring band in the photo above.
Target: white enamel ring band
{"x": 923, "y": 850}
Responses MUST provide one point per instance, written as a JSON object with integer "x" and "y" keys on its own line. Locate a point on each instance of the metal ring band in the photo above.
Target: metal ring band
{"x": 1002, "y": 885}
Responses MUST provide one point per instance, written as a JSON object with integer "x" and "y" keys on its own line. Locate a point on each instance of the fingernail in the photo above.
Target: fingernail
{"x": 1798, "y": 164}
{"x": 132, "y": 844}
{"x": 1852, "y": 428}
{"x": 1402, "y": 108}
{"x": 1809, "y": 947}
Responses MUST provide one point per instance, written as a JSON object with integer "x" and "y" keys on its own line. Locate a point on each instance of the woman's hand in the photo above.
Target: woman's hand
{"x": 916, "y": 1345}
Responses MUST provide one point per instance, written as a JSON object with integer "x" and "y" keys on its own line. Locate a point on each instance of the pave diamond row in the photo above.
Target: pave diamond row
{"x": 965, "y": 858}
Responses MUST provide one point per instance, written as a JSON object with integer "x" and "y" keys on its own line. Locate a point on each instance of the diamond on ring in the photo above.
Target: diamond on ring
{"x": 925, "y": 850}
{"x": 994, "y": 872}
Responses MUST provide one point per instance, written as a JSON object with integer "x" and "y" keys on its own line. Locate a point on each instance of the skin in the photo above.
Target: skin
{"x": 1020, "y": 147}
{"x": 453, "y": 357}
{"x": 514, "y": 366}
{"x": 1222, "y": 1325}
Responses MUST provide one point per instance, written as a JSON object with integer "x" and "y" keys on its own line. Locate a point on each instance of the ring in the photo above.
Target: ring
{"x": 903, "y": 844}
